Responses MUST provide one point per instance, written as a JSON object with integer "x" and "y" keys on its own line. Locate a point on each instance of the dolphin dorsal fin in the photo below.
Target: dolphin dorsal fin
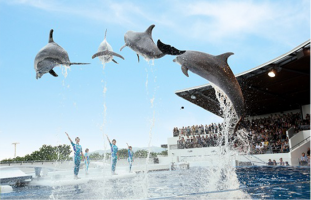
{"x": 149, "y": 30}
{"x": 224, "y": 57}
{"x": 51, "y": 36}
{"x": 105, "y": 34}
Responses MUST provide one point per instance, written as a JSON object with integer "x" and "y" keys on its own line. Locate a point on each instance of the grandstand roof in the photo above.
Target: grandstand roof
{"x": 288, "y": 90}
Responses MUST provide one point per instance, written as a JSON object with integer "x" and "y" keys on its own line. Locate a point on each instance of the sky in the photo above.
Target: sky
{"x": 129, "y": 101}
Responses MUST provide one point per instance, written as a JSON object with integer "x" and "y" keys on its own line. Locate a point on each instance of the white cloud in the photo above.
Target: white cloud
{"x": 216, "y": 21}
{"x": 210, "y": 21}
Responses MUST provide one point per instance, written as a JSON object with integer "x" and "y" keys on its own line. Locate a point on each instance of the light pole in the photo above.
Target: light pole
{"x": 15, "y": 143}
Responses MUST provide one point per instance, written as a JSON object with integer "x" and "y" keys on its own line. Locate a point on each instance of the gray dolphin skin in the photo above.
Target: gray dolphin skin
{"x": 213, "y": 68}
{"x": 105, "y": 52}
{"x": 51, "y": 56}
{"x": 142, "y": 43}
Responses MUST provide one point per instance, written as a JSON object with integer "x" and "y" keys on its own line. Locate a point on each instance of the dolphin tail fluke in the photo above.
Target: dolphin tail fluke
{"x": 224, "y": 57}
{"x": 79, "y": 63}
{"x": 53, "y": 73}
{"x": 238, "y": 125}
{"x": 167, "y": 49}
{"x": 110, "y": 53}
{"x": 123, "y": 47}
{"x": 51, "y": 36}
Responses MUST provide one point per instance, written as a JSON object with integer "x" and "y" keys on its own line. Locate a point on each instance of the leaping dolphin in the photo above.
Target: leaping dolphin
{"x": 142, "y": 43}
{"x": 51, "y": 56}
{"x": 213, "y": 68}
{"x": 105, "y": 53}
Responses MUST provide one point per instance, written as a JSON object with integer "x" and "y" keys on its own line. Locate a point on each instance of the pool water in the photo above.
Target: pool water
{"x": 255, "y": 182}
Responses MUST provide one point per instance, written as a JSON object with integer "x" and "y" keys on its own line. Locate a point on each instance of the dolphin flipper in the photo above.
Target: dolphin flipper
{"x": 138, "y": 57}
{"x": 115, "y": 61}
{"x": 78, "y": 63}
{"x": 123, "y": 47}
{"x": 184, "y": 69}
{"x": 53, "y": 73}
{"x": 167, "y": 49}
{"x": 102, "y": 53}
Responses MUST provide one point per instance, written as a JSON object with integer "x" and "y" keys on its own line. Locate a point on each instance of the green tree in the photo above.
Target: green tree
{"x": 46, "y": 152}
{"x": 164, "y": 153}
{"x": 123, "y": 153}
{"x": 143, "y": 154}
{"x": 96, "y": 156}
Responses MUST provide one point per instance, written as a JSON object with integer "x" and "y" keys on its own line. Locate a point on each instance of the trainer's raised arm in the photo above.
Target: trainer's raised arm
{"x": 108, "y": 139}
{"x": 68, "y": 137}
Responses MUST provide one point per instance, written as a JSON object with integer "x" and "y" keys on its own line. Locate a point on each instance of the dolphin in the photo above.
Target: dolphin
{"x": 213, "y": 68}
{"x": 105, "y": 53}
{"x": 142, "y": 43}
{"x": 51, "y": 56}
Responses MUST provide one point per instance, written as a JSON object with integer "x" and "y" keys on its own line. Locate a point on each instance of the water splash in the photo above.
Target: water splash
{"x": 64, "y": 69}
{"x": 223, "y": 175}
{"x": 104, "y": 123}
{"x": 145, "y": 178}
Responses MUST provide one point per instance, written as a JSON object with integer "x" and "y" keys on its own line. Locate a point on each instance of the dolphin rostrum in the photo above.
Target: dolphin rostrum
{"x": 213, "y": 68}
{"x": 51, "y": 56}
{"x": 105, "y": 53}
{"x": 142, "y": 43}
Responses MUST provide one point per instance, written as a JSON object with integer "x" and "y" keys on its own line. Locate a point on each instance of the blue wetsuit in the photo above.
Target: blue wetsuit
{"x": 77, "y": 148}
{"x": 130, "y": 158}
{"x": 86, "y": 161}
{"x": 114, "y": 157}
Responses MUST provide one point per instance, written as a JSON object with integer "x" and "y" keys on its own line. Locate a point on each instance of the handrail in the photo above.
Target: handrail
{"x": 51, "y": 161}
{"x": 247, "y": 158}
{"x": 258, "y": 158}
{"x": 298, "y": 144}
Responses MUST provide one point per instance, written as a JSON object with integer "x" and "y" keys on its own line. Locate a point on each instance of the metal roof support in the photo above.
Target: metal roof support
{"x": 210, "y": 99}
{"x": 295, "y": 71}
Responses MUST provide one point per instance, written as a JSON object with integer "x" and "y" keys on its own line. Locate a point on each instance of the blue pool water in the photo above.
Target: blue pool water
{"x": 255, "y": 182}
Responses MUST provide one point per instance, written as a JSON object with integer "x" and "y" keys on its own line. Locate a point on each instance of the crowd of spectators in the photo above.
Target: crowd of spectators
{"x": 281, "y": 163}
{"x": 198, "y": 136}
{"x": 304, "y": 160}
{"x": 197, "y": 130}
{"x": 267, "y": 134}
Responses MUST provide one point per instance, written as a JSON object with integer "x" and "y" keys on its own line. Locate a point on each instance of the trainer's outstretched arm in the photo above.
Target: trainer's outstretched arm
{"x": 68, "y": 137}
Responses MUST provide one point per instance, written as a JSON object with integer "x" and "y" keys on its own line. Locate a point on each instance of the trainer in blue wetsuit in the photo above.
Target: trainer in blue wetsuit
{"x": 86, "y": 160}
{"x": 114, "y": 155}
{"x": 77, "y": 148}
{"x": 130, "y": 158}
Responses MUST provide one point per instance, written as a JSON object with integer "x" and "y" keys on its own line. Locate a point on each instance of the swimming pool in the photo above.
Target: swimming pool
{"x": 255, "y": 182}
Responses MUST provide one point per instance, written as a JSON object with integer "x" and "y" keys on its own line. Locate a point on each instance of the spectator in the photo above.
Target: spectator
{"x": 308, "y": 152}
{"x": 286, "y": 163}
{"x": 281, "y": 162}
{"x": 266, "y": 144}
{"x": 274, "y": 163}
{"x": 183, "y": 143}
{"x": 270, "y": 162}
{"x": 188, "y": 142}
{"x": 193, "y": 130}
{"x": 303, "y": 159}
